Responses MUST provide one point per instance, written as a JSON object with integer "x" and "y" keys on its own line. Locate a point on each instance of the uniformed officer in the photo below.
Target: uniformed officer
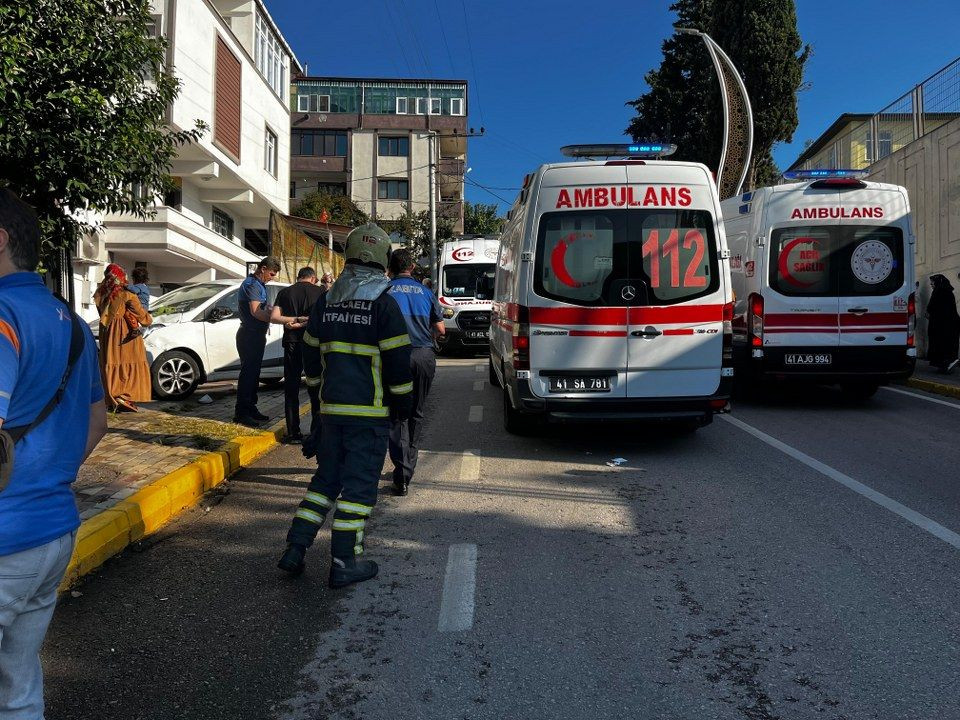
{"x": 356, "y": 348}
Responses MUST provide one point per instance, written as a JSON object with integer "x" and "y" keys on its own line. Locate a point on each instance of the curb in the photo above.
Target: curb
{"x": 935, "y": 387}
{"x": 104, "y": 535}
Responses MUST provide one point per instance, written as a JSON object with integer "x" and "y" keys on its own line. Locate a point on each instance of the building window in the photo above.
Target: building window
{"x": 270, "y": 152}
{"x": 393, "y": 189}
{"x": 313, "y": 103}
{"x": 270, "y": 56}
{"x": 332, "y": 188}
{"x": 456, "y": 106}
{"x": 436, "y": 106}
{"x": 326, "y": 143}
{"x": 402, "y": 105}
{"x": 222, "y": 223}
{"x": 884, "y": 144}
{"x": 421, "y": 106}
{"x": 293, "y": 189}
{"x": 394, "y": 146}
{"x": 226, "y": 104}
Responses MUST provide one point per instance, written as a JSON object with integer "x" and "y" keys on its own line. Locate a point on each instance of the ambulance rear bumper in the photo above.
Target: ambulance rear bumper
{"x": 870, "y": 364}
{"x": 619, "y": 409}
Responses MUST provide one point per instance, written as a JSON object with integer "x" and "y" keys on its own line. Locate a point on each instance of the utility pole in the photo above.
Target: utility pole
{"x": 433, "y": 209}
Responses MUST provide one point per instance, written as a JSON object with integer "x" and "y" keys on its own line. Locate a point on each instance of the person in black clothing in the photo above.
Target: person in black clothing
{"x": 943, "y": 328}
{"x": 297, "y": 300}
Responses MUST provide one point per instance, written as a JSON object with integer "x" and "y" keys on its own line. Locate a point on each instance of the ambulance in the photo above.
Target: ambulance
{"x": 612, "y": 293}
{"x": 823, "y": 276}
{"x": 466, "y": 314}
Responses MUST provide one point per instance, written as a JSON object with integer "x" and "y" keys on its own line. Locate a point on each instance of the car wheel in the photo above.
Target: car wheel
{"x": 175, "y": 375}
{"x": 858, "y": 392}
{"x": 494, "y": 380}
{"x": 517, "y": 423}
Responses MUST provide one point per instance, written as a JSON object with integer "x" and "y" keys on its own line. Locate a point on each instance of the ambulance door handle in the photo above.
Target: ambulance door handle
{"x": 858, "y": 311}
{"x": 648, "y": 332}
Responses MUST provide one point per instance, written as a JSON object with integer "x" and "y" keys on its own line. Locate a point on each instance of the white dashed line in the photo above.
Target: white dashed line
{"x": 912, "y": 516}
{"x": 955, "y": 406}
{"x": 459, "y": 589}
{"x": 479, "y": 368}
{"x": 476, "y": 413}
{"x": 478, "y": 385}
{"x": 470, "y": 466}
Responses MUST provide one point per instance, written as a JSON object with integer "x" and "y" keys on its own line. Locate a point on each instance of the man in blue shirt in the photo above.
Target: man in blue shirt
{"x": 422, "y": 312}
{"x": 38, "y": 514}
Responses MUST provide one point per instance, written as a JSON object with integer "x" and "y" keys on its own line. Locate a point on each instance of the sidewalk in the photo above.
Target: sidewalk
{"x": 154, "y": 464}
{"x": 927, "y": 378}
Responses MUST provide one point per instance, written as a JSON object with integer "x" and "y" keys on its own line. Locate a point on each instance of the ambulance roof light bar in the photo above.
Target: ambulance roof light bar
{"x": 627, "y": 150}
{"x": 823, "y": 174}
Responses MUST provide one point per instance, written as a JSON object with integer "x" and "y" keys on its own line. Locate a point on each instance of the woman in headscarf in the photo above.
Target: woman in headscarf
{"x": 943, "y": 326}
{"x": 123, "y": 359}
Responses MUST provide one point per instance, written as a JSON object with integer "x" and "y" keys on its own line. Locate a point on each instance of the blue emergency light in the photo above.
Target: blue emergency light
{"x": 820, "y": 174}
{"x": 631, "y": 150}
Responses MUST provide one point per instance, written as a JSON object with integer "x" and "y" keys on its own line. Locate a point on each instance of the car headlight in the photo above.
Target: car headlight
{"x": 449, "y": 313}
{"x": 150, "y": 328}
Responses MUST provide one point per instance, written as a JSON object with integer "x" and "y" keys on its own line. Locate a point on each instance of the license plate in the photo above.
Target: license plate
{"x": 478, "y": 334}
{"x": 808, "y": 359}
{"x": 579, "y": 384}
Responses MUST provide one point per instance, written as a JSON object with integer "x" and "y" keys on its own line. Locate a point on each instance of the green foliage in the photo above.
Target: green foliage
{"x": 683, "y": 104}
{"x": 341, "y": 209}
{"x": 83, "y": 98}
{"x": 415, "y": 227}
{"x": 480, "y": 219}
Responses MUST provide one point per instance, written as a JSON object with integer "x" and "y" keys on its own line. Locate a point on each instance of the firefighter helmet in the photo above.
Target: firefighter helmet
{"x": 368, "y": 244}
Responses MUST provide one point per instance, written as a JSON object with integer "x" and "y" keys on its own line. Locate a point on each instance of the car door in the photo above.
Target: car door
{"x": 272, "y": 365}
{"x": 675, "y": 331}
{"x": 220, "y": 336}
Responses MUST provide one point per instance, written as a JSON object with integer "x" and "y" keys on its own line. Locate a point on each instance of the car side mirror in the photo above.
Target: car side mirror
{"x": 220, "y": 312}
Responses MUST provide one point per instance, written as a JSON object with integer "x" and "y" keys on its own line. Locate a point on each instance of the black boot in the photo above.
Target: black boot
{"x": 292, "y": 559}
{"x": 400, "y": 488}
{"x": 345, "y": 571}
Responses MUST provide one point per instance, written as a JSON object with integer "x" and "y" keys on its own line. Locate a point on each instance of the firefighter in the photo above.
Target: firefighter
{"x": 356, "y": 349}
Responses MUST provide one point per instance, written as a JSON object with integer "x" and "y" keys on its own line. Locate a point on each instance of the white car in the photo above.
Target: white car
{"x": 193, "y": 338}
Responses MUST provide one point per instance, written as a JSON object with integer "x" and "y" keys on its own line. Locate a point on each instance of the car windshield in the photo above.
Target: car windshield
{"x": 186, "y": 298}
{"x": 461, "y": 280}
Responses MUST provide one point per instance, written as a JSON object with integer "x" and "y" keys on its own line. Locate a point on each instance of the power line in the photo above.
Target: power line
{"x": 443, "y": 34}
{"x": 487, "y": 190}
{"x": 476, "y": 83}
{"x": 393, "y": 25}
{"x": 416, "y": 43}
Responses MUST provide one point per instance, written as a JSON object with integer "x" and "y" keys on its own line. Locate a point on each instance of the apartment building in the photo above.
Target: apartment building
{"x": 370, "y": 139}
{"x": 235, "y": 69}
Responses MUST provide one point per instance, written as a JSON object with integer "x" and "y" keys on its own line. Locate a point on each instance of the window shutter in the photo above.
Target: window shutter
{"x": 226, "y": 111}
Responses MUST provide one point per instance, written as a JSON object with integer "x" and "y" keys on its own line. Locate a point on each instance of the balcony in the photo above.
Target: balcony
{"x": 317, "y": 163}
{"x": 450, "y": 168}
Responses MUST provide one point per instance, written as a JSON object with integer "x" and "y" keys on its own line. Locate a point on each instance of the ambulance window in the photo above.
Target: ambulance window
{"x": 801, "y": 260}
{"x": 870, "y": 260}
{"x": 576, "y": 254}
{"x": 678, "y": 254}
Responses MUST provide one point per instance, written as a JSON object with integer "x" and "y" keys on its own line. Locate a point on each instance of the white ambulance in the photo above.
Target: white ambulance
{"x": 823, "y": 276}
{"x": 466, "y": 314}
{"x": 612, "y": 296}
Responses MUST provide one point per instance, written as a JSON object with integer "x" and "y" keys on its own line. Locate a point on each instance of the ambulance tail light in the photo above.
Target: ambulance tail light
{"x": 911, "y": 320}
{"x": 755, "y": 319}
{"x": 520, "y": 315}
{"x": 727, "y": 335}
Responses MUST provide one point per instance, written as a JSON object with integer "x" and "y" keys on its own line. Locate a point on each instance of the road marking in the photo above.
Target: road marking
{"x": 459, "y": 588}
{"x": 470, "y": 466}
{"x": 476, "y": 413}
{"x": 479, "y": 368}
{"x": 955, "y": 406}
{"x": 921, "y": 521}
{"x": 478, "y": 385}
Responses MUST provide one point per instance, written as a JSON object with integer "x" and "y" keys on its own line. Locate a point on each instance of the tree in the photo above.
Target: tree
{"x": 415, "y": 227}
{"x": 480, "y": 219}
{"x": 683, "y": 103}
{"x": 340, "y": 209}
{"x": 83, "y": 100}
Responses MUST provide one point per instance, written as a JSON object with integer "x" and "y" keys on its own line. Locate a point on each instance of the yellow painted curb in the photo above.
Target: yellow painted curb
{"x": 935, "y": 387}
{"x": 153, "y": 506}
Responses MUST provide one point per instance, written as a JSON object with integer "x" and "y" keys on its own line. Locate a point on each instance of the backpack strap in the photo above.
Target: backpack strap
{"x": 77, "y": 341}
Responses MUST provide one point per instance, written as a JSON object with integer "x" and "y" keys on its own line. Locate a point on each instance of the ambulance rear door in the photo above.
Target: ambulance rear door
{"x": 875, "y": 278}
{"x": 677, "y": 290}
{"x": 578, "y": 312}
{"x": 800, "y": 304}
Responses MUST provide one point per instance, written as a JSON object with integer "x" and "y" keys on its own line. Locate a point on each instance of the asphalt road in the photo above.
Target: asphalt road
{"x": 799, "y": 560}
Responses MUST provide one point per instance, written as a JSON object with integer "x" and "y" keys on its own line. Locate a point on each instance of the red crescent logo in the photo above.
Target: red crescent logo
{"x": 461, "y": 254}
{"x": 784, "y": 265}
{"x": 558, "y": 261}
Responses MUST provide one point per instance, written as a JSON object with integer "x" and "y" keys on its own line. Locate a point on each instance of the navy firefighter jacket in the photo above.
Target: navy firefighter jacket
{"x": 358, "y": 352}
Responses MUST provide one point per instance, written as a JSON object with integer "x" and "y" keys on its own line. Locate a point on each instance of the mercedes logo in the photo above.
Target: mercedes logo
{"x": 628, "y": 292}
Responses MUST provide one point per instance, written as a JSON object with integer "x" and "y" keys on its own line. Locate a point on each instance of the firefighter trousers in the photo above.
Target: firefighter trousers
{"x": 349, "y": 463}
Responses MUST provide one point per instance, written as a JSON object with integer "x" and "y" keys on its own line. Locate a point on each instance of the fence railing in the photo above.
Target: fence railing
{"x": 926, "y": 107}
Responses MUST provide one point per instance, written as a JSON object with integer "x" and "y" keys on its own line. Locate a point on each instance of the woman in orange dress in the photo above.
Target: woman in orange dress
{"x": 123, "y": 359}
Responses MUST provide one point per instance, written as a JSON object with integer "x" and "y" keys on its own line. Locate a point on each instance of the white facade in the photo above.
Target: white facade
{"x": 202, "y": 234}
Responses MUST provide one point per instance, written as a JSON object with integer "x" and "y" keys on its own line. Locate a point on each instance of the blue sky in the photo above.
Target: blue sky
{"x": 544, "y": 74}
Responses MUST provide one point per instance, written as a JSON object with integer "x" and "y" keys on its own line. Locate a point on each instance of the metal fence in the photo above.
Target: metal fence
{"x": 926, "y": 107}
